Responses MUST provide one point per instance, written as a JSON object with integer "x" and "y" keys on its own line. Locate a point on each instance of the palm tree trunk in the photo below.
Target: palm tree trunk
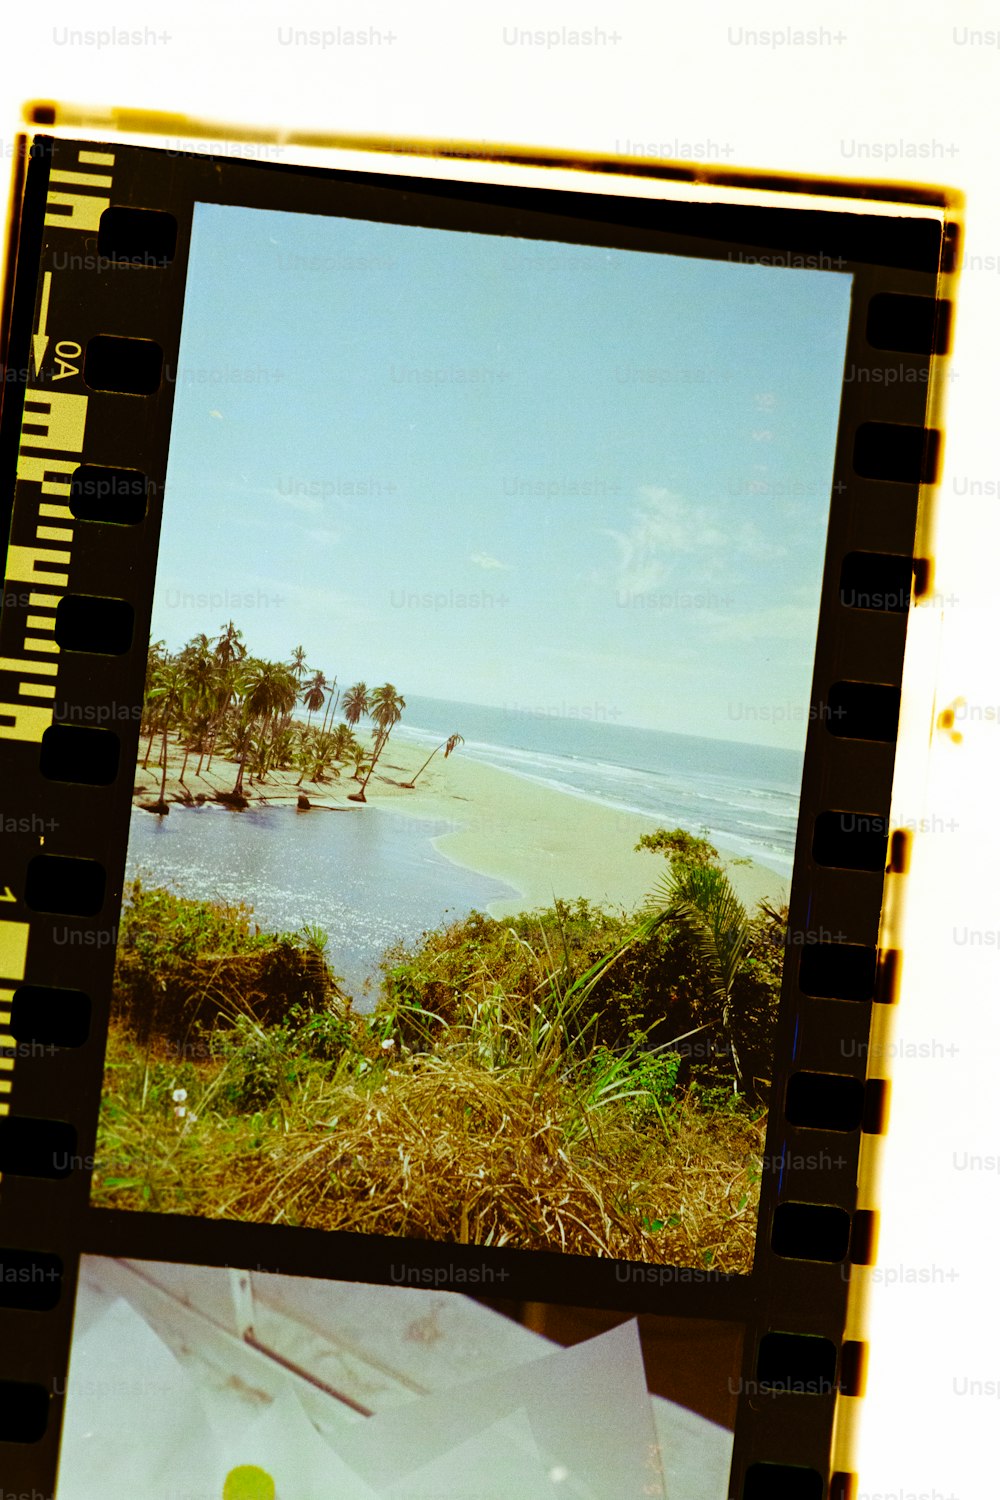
{"x": 239, "y": 774}
{"x": 331, "y": 703}
{"x": 377, "y": 749}
{"x": 423, "y": 767}
{"x": 163, "y": 780}
{"x": 215, "y": 733}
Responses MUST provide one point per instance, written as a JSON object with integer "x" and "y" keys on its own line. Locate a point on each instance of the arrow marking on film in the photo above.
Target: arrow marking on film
{"x": 40, "y": 340}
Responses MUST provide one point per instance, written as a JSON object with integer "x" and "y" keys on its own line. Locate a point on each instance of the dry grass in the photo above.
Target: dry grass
{"x": 437, "y": 1145}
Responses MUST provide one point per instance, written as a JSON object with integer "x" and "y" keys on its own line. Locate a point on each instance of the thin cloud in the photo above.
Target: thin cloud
{"x": 310, "y": 505}
{"x": 665, "y": 528}
{"x": 663, "y": 524}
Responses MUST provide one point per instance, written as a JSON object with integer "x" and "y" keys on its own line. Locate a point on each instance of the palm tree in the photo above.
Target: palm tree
{"x": 199, "y": 645}
{"x": 239, "y": 743}
{"x": 155, "y": 662}
{"x": 229, "y": 652}
{"x": 202, "y": 730}
{"x": 259, "y": 758}
{"x": 195, "y": 728}
{"x": 316, "y": 760}
{"x": 386, "y": 709}
{"x": 281, "y": 747}
{"x": 169, "y": 693}
{"x": 229, "y": 647}
{"x": 298, "y": 662}
{"x": 313, "y": 696}
{"x": 222, "y": 694}
{"x": 450, "y": 744}
{"x": 355, "y": 703}
{"x": 342, "y": 743}
{"x": 201, "y": 681}
{"x": 201, "y": 666}
{"x": 269, "y": 690}
{"x": 702, "y": 898}
{"x": 305, "y": 753}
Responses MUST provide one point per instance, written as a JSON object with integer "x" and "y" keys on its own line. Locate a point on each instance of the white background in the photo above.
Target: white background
{"x": 881, "y": 91}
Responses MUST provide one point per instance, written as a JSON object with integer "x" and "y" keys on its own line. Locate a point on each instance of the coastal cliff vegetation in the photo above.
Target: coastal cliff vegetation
{"x": 572, "y": 1078}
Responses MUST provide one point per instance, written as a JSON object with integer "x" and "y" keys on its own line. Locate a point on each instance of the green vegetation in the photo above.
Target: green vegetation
{"x": 568, "y": 1079}
{"x": 184, "y": 965}
{"x": 678, "y": 844}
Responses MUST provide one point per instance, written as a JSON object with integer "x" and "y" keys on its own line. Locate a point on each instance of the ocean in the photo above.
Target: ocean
{"x": 747, "y": 796}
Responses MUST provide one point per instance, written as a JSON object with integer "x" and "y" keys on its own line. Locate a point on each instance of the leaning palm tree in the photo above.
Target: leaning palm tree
{"x": 450, "y": 744}
{"x": 701, "y": 897}
{"x": 386, "y": 709}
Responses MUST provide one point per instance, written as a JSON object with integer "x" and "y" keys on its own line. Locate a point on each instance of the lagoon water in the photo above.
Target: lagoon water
{"x": 368, "y": 878}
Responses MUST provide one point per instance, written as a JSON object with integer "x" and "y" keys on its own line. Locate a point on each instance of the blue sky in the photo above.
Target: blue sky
{"x": 506, "y": 471}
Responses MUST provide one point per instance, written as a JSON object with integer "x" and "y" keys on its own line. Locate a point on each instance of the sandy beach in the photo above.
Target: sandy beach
{"x": 544, "y": 842}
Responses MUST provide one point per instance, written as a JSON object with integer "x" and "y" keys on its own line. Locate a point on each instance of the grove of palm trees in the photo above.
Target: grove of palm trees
{"x": 219, "y": 724}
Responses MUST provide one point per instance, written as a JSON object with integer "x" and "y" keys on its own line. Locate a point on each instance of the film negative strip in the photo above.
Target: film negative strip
{"x": 540, "y": 1068}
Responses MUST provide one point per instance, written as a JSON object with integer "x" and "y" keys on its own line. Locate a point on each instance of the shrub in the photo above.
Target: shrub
{"x": 677, "y": 843}
{"x": 182, "y": 964}
{"x": 654, "y": 993}
{"x": 260, "y": 1067}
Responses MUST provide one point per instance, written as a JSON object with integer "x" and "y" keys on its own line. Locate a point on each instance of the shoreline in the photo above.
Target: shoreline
{"x": 543, "y": 842}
